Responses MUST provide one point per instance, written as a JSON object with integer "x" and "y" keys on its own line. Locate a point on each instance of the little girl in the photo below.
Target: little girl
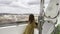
{"x": 31, "y": 25}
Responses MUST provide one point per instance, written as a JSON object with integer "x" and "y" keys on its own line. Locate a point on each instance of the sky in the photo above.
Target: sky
{"x": 21, "y": 6}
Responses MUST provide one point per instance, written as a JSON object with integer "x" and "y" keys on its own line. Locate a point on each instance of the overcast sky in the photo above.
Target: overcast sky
{"x": 20, "y": 6}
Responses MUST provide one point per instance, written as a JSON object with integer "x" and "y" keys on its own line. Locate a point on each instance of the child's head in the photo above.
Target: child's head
{"x": 31, "y": 18}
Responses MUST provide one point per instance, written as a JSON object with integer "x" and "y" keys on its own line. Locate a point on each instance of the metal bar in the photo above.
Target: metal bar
{"x": 41, "y": 16}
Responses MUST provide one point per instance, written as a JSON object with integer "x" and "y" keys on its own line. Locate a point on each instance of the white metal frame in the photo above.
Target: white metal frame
{"x": 42, "y": 16}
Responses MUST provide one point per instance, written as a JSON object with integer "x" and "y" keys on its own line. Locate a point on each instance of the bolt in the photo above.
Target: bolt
{"x": 57, "y": 4}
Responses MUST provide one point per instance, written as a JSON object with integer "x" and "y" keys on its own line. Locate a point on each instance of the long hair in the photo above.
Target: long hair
{"x": 31, "y": 18}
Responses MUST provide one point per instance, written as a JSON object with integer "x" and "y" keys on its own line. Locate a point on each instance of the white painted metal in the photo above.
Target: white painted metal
{"x": 47, "y": 28}
{"x": 52, "y": 8}
{"x": 52, "y": 11}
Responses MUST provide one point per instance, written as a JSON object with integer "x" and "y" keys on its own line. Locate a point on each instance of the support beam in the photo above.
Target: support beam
{"x": 41, "y": 16}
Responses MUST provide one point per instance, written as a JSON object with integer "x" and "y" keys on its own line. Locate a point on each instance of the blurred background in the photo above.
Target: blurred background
{"x": 16, "y": 11}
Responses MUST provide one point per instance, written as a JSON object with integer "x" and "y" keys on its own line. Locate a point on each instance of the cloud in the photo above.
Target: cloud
{"x": 19, "y": 6}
